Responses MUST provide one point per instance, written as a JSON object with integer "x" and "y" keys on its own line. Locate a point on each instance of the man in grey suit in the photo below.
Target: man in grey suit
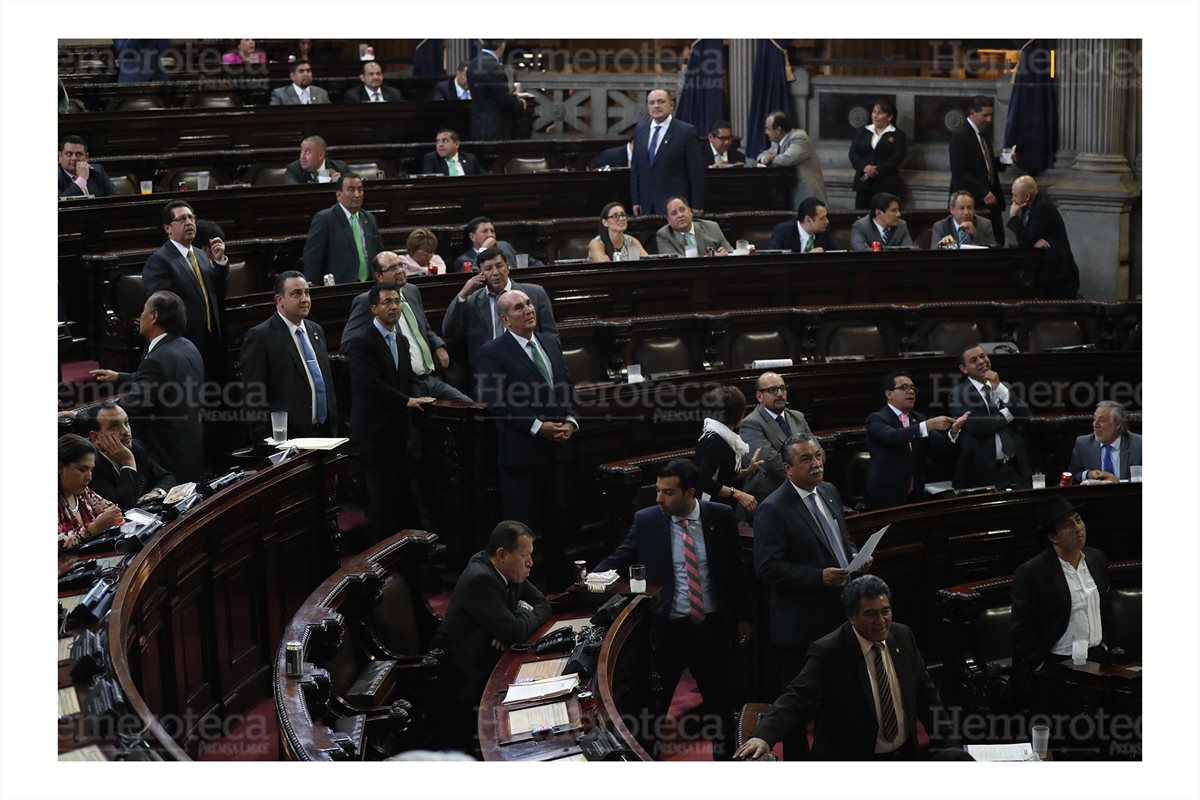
{"x": 791, "y": 147}
{"x": 343, "y": 239}
{"x": 765, "y": 429}
{"x": 881, "y": 224}
{"x": 962, "y": 226}
{"x": 688, "y": 237}
{"x": 426, "y": 350}
{"x": 1110, "y": 451}
{"x": 473, "y": 314}
{"x": 300, "y": 92}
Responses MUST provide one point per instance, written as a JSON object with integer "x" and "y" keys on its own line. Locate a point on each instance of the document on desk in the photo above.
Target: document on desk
{"x": 1001, "y": 752}
{"x": 540, "y": 670}
{"x": 526, "y": 719}
{"x": 867, "y": 550}
{"x": 541, "y": 690}
{"x": 64, "y": 649}
{"x": 89, "y": 753}
{"x": 314, "y": 443}
{"x": 69, "y": 603}
{"x": 68, "y": 702}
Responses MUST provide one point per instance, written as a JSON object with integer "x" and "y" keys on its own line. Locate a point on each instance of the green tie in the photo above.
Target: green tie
{"x": 808, "y": 246}
{"x": 426, "y": 358}
{"x": 538, "y": 361}
{"x": 688, "y": 242}
{"x": 358, "y": 244}
{"x": 452, "y": 166}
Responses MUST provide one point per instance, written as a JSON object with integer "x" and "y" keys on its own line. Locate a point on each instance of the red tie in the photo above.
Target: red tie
{"x": 904, "y": 423}
{"x": 692, "y": 563}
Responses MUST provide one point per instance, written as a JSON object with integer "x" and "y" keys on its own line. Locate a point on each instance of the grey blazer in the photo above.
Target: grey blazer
{"x": 759, "y": 430}
{"x": 863, "y": 232}
{"x": 286, "y": 96}
{"x": 1086, "y": 455}
{"x": 796, "y": 150}
{"x": 986, "y": 235}
{"x": 708, "y": 234}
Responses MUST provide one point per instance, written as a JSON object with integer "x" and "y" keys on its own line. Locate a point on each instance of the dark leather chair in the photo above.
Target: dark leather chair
{"x": 584, "y": 365}
{"x": 268, "y": 176}
{"x": 854, "y": 340}
{"x": 143, "y": 103}
{"x": 664, "y": 356}
{"x": 523, "y": 165}
{"x": 211, "y": 101}
{"x": 751, "y": 346}
{"x": 747, "y": 719}
{"x": 1048, "y": 333}
{"x": 124, "y": 185}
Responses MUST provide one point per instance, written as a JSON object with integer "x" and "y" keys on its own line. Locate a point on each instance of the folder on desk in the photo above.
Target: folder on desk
{"x": 541, "y": 690}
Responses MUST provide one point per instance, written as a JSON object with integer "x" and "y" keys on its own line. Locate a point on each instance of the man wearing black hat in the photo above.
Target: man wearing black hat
{"x": 1059, "y": 596}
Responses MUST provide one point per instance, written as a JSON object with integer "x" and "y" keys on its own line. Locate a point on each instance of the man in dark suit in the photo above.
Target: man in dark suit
{"x": 963, "y": 226}
{"x": 720, "y": 151}
{"x": 372, "y": 89}
{"x": 344, "y": 238}
{"x": 185, "y": 270}
{"x": 381, "y": 386}
{"x": 808, "y": 232}
{"x": 1060, "y": 596}
{"x": 801, "y": 550}
{"x": 867, "y": 682}
{"x": 494, "y": 107}
{"x": 285, "y": 367}
{"x": 881, "y": 224}
{"x": 163, "y": 398}
{"x": 991, "y": 449}
{"x": 300, "y": 92}
{"x": 76, "y": 176}
{"x": 972, "y": 165}
{"x": 1110, "y": 450}
{"x": 493, "y": 606}
{"x": 481, "y": 235}
{"x": 523, "y": 380}
{"x": 427, "y": 351}
{"x": 447, "y": 159}
{"x": 313, "y": 166}
{"x": 765, "y": 429}
{"x": 899, "y": 439}
{"x": 474, "y": 314}
{"x": 453, "y": 88}
{"x": 1038, "y": 225}
{"x": 667, "y": 160}
{"x": 124, "y": 472}
{"x": 696, "y": 621}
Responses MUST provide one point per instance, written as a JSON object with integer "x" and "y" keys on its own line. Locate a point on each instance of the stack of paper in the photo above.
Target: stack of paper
{"x": 598, "y": 581}
{"x": 541, "y": 690}
{"x": 1001, "y": 752}
{"x": 314, "y": 443}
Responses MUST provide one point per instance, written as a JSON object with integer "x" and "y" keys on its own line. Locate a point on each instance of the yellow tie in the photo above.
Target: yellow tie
{"x": 208, "y": 318}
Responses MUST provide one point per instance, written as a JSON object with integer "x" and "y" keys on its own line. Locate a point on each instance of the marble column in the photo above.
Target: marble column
{"x": 738, "y": 74}
{"x": 1092, "y": 182}
{"x": 457, "y": 51}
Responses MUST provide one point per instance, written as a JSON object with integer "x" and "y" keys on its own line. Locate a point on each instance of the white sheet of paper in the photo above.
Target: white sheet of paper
{"x": 540, "y": 670}
{"x": 64, "y": 648}
{"x": 314, "y": 443}
{"x": 867, "y": 550}
{"x": 1001, "y": 752}
{"x": 547, "y": 687}
{"x": 972, "y": 247}
{"x": 68, "y": 702}
{"x": 89, "y": 753}
{"x": 524, "y": 720}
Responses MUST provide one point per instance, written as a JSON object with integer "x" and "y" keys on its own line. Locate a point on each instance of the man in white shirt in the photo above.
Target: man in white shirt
{"x": 300, "y": 92}
{"x": 991, "y": 448}
{"x": 372, "y": 89}
{"x": 721, "y": 152}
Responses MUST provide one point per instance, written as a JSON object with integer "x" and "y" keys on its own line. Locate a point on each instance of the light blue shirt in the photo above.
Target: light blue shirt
{"x": 680, "y": 607}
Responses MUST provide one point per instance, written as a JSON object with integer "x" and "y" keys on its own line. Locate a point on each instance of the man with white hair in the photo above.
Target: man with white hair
{"x": 1037, "y": 224}
{"x": 1110, "y": 450}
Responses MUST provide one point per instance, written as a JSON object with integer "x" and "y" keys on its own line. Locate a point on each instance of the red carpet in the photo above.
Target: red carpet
{"x": 77, "y": 371}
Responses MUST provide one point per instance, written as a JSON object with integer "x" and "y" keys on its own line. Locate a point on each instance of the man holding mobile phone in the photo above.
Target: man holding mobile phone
{"x": 76, "y": 176}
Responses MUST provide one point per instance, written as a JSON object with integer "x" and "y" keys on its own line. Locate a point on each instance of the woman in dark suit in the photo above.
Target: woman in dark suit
{"x": 877, "y": 151}
{"x": 720, "y": 452}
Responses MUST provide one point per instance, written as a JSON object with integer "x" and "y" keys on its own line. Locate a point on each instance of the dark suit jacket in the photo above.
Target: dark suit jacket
{"x": 124, "y": 486}
{"x": 977, "y": 465}
{"x": 887, "y": 156}
{"x": 968, "y": 168}
{"x": 98, "y": 183}
{"x": 433, "y": 164}
{"x": 296, "y": 174}
{"x": 836, "y": 682}
{"x": 444, "y": 90}
{"x": 330, "y": 245}
{"x": 784, "y": 236}
{"x": 273, "y": 372}
{"x": 1041, "y": 608}
{"x": 379, "y": 390}
{"x": 790, "y": 551}
{"x": 359, "y": 95}
{"x": 1042, "y": 221}
{"x": 649, "y": 542}
{"x": 482, "y": 609}
{"x": 1087, "y": 455}
{"x": 493, "y": 107}
{"x": 759, "y": 430}
{"x": 360, "y": 318}
{"x": 893, "y": 464}
{"x": 678, "y": 168}
{"x": 734, "y": 155}
{"x": 164, "y": 408}
{"x": 613, "y": 158}
{"x": 168, "y": 270}
{"x": 472, "y": 319}
{"x": 516, "y": 394}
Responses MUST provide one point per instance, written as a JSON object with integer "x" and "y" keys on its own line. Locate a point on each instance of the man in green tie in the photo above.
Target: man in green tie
{"x": 343, "y": 239}
{"x": 690, "y": 237}
{"x": 524, "y": 382}
{"x": 807, "y": 232}
{"x": 447, "y": 159}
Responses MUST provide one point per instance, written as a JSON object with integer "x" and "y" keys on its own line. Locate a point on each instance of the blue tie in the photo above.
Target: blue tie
{"x": 654, "y": 142}
{"x": 781, "y": 419}
{"x": 834, "y": 544}
{"x": 391, "y": 340}
{"x": 1106, "y": 464}
{"x": 314, "y": 370}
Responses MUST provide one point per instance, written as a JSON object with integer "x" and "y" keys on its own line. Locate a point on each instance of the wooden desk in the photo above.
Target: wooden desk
{"x": 1107, "y": 696}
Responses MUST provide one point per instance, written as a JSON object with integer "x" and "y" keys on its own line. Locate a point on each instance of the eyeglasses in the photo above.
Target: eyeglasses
{"x": 391, "y": 301}
{"x": 904, "y": 387}
{"x": 618, "y": 215}
{"x": 184, "y": 218}
{"x": 780, "y": 389}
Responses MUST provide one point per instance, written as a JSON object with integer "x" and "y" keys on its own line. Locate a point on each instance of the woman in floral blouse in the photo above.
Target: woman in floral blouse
{"x": 82, "y": 513}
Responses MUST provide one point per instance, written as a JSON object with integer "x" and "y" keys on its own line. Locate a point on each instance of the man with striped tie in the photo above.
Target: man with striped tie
{"x": 867, "y": 681}
{"x": 963, "y": 226}
{"x": 690, "y": 550}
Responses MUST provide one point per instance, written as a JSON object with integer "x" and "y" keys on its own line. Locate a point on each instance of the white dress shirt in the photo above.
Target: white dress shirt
{"x": 312, "y": 387}
{"x": 1084, "y": 621}
{"x": 882, "y": 745}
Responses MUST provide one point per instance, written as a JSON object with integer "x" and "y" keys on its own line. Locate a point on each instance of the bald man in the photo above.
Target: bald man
{"x": 1038, "y": 225}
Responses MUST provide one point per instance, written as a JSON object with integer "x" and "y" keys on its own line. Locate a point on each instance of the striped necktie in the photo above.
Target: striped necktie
{"x": 691, "y": 563}
{"x": 889, "y": 728}
{"x": 208, "y": 315}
